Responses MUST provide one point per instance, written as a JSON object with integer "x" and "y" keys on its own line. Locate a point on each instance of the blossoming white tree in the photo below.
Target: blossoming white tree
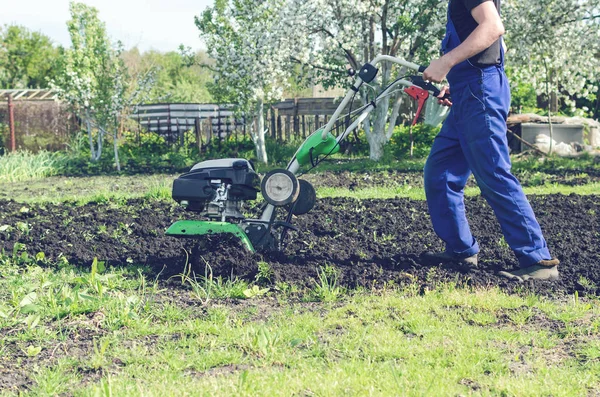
{"x": 554, "y": 45}
{"x": 349, "y": 33}
{"x": 252, "y": 46}
{"x": 95, "y": 81}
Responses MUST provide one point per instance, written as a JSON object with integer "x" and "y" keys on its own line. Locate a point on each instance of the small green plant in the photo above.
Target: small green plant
{"x": 327, "y": 288}
{"x": 6, "y": 230}
{"x": 264, "y": 341}
{"x": 265, "y": 272}
{"x": 419, "y": 137}
{"x": 99, "y": 359}
{"x": 587, "y": 284}
{"x": 255, "y": 291}
{"x": 23, "y": 227}
{"x": 32, "y": 350}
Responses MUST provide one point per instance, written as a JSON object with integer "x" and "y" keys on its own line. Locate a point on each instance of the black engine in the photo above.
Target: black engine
{"x": 217, "y": 187}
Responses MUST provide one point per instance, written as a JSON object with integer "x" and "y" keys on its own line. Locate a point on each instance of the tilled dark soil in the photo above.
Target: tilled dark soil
{"x": 369, "y": 242}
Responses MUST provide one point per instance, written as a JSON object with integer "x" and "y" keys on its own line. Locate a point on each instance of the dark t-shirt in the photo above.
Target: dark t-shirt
{"x": 460, "y": 13}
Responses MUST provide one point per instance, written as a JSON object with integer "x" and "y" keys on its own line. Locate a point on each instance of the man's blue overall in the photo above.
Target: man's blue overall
{"x": 473, "y": 140}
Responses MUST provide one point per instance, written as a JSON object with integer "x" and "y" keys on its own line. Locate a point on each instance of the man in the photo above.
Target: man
{"x": 473, "y": 140}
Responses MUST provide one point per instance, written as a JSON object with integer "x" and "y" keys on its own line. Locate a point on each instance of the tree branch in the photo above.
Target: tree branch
{"x": 317, "y": 66}
{"x": 351, "y": 58}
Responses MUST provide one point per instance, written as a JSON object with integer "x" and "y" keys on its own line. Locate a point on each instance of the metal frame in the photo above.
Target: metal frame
{"x": 30, "y": 94}
{"x": 294, "y": 165}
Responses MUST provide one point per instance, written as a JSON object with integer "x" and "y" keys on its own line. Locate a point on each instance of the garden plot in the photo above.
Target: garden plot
{"x": 356, "y": 242}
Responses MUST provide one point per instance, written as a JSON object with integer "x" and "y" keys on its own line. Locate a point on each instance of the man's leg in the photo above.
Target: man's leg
{"x": 446, "y": 173}
{"x": 483, "y": 139}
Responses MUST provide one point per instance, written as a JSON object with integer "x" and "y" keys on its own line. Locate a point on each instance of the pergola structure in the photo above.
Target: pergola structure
{"x": 23, "y": 95}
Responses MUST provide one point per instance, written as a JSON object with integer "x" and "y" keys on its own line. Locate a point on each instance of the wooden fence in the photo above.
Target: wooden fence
{"x": 293, "y": 118}
{"x": 302, "y": 116}
{"x": 172, "y": 120}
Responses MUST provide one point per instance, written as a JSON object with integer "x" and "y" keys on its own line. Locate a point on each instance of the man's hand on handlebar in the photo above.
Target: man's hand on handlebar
{"x": 444, "y": 101}
{"x": 437, "y": 70}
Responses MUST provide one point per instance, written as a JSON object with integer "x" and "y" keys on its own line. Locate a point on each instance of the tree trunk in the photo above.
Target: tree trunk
{"x": 367, "y": 122}
{"x": 554, "y": 102}
{"x": 100, "y": 144}
{"x": 259, "y": 135}
{"x": 116, "y": 149}
{"x": 378, "y": 136}
{"x": 394, "y": 116}
{"x": 550, "y": 148}
{"x": 376, "y": 145}
{"x": 90, "y": 138}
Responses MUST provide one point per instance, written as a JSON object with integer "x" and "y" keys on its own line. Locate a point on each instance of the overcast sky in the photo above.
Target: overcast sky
{"x": 148, "y": 24}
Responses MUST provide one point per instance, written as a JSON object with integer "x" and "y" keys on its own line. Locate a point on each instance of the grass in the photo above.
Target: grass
{"x": 120, "y": 188}
{"x": 90, "y": 189}
{"x": 120, "y": 332}
{"x": 24, "y": 166}
{"x": 408, "y": 191}
{"x": 28, "y": 176}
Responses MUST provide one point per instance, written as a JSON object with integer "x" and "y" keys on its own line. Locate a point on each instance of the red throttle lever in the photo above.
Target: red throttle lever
{"x": 420, "y": 95}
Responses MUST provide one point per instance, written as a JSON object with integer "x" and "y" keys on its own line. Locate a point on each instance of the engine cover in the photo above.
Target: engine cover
{"x": 200, "y": 185}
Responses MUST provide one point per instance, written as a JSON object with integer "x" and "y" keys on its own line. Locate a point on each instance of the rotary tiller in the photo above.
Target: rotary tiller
{"x": 217, "y": 188}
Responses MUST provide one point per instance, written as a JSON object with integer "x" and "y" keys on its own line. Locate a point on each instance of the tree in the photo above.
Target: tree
{"x": 554, "y": 45}
{"x": 350, "y": 33}
{"x": 178, "y": 77}
{"x": 95, "y": 81}
{"x": 27, "y": 59}
{"x": 252, "y": 45}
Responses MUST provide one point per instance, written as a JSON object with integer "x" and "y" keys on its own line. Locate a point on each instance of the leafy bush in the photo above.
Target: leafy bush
{"x": 422, "y": 138}
{"x": 524, "y": 98}
{"x": 231, "y": 147}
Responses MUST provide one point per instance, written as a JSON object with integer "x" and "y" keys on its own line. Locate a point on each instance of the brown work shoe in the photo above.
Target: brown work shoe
{"x": 439, "y": 258}
{"x": 543, "y": 270}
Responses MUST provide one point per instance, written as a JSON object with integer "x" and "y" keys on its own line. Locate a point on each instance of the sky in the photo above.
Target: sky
{"x": 148, "y": 24}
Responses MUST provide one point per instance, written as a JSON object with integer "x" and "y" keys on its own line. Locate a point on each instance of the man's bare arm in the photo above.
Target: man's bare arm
{"x": 489, "y": 29}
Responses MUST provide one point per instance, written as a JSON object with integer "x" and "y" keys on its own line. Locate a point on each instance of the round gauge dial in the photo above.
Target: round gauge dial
{"x": 280, "y": 187}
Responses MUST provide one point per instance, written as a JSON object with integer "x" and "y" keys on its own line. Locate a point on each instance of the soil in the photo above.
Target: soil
{"x": 369, "y": 242}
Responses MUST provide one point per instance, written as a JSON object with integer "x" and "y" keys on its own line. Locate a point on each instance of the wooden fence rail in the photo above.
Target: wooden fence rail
{"x": 293, "y": 118}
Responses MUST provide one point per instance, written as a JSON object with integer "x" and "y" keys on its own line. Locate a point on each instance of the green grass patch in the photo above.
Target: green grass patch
{"x": 416, "y": 193}
{"x": 120, "y": 188}
{"x": 119, "y": 332}
{"x": 24, "y": 166}
{"x": 90, "y": 189}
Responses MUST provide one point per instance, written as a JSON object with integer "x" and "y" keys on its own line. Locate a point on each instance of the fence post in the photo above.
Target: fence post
{"x": 278, "y": 127}
{"x": 169, "y": 129}
{"x": 288, "y": 127}
{"x": 219, "y": 124}
{"x": 303, "y": 126}
{"x": 296, "y": 118}
{"x": 180, "y": 133}
{"x": 198, "y": 133}
{"x": 273, "y": 125}
{"x": 11, "y": 124}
